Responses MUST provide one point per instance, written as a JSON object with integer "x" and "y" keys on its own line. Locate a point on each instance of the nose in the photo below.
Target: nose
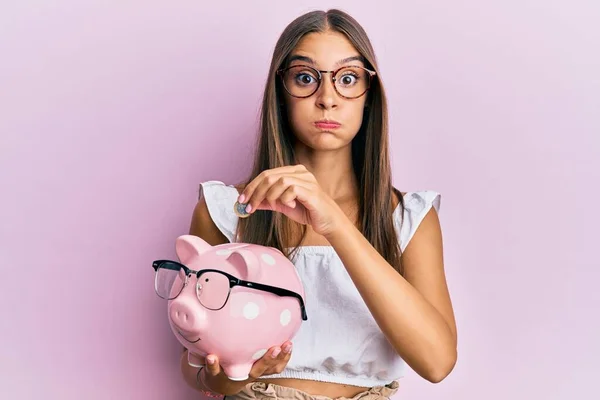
{"x": 187, "y": 314}
{"x": 327, "y": 97}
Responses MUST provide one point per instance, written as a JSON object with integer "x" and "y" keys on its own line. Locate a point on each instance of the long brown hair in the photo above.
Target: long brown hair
{"x": 370, "y": 148}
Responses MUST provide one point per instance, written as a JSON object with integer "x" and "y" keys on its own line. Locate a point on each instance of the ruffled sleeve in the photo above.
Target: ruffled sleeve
{"x": 416, "y": 206}
{"x": 220, "y": 199}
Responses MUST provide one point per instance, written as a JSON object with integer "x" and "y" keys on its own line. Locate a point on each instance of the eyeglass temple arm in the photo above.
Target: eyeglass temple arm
{"x": 157, "y": 263}
{"x": 277, "y": 291}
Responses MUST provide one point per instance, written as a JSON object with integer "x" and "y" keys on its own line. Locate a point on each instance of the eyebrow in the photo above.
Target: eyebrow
{"x": 298, "y": 57}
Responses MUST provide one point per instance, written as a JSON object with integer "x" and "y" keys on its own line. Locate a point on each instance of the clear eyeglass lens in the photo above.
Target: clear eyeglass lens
{"x": 212, "y": 290}
{"x": 169, "y": 281}
{"x": 352, "y": 81}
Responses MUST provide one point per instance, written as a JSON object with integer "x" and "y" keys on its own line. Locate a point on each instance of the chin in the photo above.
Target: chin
{"x": 326, "y": 141}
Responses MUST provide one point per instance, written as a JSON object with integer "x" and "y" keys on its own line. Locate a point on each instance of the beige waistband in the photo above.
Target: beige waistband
{"x": 267, "y": 391}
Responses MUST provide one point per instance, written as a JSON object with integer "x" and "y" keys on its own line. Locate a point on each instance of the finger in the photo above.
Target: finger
{"x": 303, "y": 193}
{"x": 258, "y": 194}
{"x": 273, "y": 195}
{"x": 270, "y": 359}
{"x": 289, "y": 196}
{"x": 258, "y": 186}
{"x": 251, "y": 187}
{"x": 280, "y": 354}
{"x": 212, "y": 365}
{"x": 287, "y": 349}
{"x": 306, "y": 180}
{"x": 282, "y": 359}
{"x": 264, "y": 363}
{"x": 273, "y": 184}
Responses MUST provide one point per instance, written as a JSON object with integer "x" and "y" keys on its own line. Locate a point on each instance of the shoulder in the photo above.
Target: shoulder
{"x": 203, "y": 226}
{"x": 421, "y": 201}
{"x": 419, "y": 210}
{"x": 212, "y": 217}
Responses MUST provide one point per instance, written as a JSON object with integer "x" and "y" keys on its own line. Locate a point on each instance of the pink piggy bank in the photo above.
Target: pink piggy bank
{"x": 233, "y": 300}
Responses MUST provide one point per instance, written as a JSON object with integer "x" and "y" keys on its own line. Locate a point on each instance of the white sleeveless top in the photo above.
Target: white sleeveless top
{"x": 340, "y": 342}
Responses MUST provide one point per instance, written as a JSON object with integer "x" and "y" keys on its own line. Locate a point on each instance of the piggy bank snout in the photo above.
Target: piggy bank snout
{"x": 187, "y": 317}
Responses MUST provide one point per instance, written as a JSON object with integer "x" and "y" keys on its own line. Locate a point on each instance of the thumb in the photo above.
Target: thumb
{"x": 212, "y": 365}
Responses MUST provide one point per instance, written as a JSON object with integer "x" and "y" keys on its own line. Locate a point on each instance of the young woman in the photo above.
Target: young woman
{"x": 369, "y": 256}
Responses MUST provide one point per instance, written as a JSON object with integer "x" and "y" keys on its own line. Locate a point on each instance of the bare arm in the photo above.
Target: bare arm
{"x": 414, "y": 312}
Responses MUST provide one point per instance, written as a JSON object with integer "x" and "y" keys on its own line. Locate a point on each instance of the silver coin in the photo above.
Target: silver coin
{"x": 240, "y": 210}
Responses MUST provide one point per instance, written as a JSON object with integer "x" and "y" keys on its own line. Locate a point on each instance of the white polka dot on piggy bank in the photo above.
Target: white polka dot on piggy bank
{"x": 247, "y": 300}
{"x": 267, "y": 259}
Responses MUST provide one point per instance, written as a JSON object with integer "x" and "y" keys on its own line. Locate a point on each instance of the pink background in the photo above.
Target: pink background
{"x": 111, "y": 112}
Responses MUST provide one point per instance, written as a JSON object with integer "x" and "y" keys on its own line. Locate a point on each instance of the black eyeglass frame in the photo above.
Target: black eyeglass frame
{"x": 333, "y": 73}
{"x": 233, "y": 281}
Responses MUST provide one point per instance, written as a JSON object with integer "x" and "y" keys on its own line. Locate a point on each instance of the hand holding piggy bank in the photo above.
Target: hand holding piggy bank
{"x": 233, "y": 300}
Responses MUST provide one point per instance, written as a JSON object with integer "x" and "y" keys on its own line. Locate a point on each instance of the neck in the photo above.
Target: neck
{"x": 332, "y": 169}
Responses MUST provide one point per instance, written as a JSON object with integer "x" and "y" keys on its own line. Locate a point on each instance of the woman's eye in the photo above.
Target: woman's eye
{"x": 305, "y": 79}
{"x": 348, "y": 80}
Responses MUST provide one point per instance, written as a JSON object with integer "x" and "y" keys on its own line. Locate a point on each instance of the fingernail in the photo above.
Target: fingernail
{"x": 249, "y": 208}
{"x": 287, "y": 348}
{"x": 276, "y": 352}
{"x": 241, "y": 198}
{"x": 210, "y": 360}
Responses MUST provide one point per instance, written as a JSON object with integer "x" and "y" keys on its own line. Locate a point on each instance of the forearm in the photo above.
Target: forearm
{"x": 218, "y": 385}
{"x": 189, "y": 373}
{"x": 416, "y": 330}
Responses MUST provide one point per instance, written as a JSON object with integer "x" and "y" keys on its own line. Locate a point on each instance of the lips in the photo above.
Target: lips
{"x": 327, "y": 124}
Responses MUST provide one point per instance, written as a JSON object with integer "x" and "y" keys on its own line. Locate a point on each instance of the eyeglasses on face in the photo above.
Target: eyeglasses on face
{"x": 350, "y": 82}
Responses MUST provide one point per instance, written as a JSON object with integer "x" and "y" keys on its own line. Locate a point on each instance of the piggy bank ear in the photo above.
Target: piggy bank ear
{"x": 189, "y": 247}
{"x": 246, "y": 263}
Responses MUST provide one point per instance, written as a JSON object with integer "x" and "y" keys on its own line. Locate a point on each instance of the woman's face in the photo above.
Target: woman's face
{"x": 326, "y": 52}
